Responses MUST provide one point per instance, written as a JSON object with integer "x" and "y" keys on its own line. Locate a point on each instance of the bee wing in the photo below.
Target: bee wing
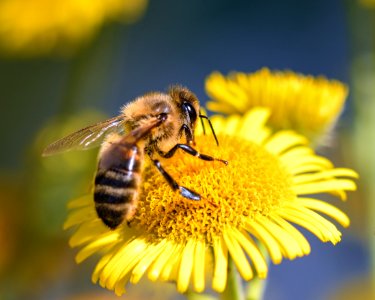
{"x": 86, "y": 138}
{"x": 125, "y": 144}
{"x": 140, "y": 132}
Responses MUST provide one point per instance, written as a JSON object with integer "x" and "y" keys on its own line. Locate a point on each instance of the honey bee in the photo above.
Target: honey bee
{"x": 154, "y": 124}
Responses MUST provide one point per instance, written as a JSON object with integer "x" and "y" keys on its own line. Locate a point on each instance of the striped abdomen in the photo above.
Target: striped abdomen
{"x": 116, "y": 184}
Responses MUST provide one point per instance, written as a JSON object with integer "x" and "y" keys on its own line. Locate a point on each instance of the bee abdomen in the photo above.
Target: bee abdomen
{"x": 117, "y": 178}
{"x": 106, "y": 194}
{"x": 115, "y": 195}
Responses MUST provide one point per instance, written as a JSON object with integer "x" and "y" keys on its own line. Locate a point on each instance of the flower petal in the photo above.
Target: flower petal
{"x": 237, "y": 255}
{"x": 252, "y": 250}
{"x": 288, "y": 244}
{"x": 283, "y": 140}
{"x": 253, "y": 126}
{"x": 87, "y": 232}
{"x": 298, "y": 236}
{"x": 170, "y": 269}
{"x": 102, "y": 241}
{"x": 122, "y": 262}
{"x": 324, "y": 186}
{"x": 102, "y": 263}
{"x": 157, "y": 266}
{"x": 219, "y": 280}
{"x": 186, "y": 266}
{"x": 267, "y": 239}
{"x": 153, "y": 251}
{"x": 199, "y": 266}
{"x": 308, "y": 163}
{"x": 327, "y": 231}
{"x": 79, "y": 216}
{"x": 323, "y": 175}
{"x": 80, "y": 202}
{"x": 327, "y": 209}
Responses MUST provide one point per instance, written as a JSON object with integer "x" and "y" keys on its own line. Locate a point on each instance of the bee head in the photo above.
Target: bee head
{"x": 188, "y": 105}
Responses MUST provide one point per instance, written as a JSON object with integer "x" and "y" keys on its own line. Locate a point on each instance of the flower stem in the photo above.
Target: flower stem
{"x": 257, "y": 286}
{"x": 256, "y": 289}
{"x": 233, "y": 290}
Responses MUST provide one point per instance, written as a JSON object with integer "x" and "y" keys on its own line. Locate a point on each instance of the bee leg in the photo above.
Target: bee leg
{"x": 185, "y": 192}
{"x": 189, "y": 136}
{"x": 190, "y": 150}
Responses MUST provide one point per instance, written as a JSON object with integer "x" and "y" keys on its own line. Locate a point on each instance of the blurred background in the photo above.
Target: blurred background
{"x": 67, "y": 64}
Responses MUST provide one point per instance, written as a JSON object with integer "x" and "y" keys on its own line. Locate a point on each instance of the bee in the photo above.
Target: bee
{"x": 155, "y": 124}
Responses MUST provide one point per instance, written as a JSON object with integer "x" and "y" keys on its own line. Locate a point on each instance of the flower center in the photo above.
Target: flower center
{"x": 254, "y": 182}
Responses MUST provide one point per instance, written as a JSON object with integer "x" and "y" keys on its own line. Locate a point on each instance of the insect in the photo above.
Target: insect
{"x": 154, "y": 124}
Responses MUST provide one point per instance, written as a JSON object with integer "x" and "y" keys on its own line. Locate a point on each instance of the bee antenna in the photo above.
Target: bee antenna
{"x": 212, "y": 128}
{"x": 201, "y": 117}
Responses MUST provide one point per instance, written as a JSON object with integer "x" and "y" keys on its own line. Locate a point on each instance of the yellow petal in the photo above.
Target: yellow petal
{"x": 328, "y": 231}
{"x": 252, "y": 250}
{"x": 199, "y": 265}
{"x": 161, "y": 261}
{"x": 295, "y": 153}
{"x": 80, "y": 202}
{"x": 170, "y": 268}
{"x": 186, "y": 266}
{"x": 327, "y": 209}
{"x": 232, "y": 125}
{"x": 102, "y": 262}
{"x": 86, "y": 232}
{"x": 303, "y": 243}
{"x": 218, "y": 123}
{"x": 287, "y": 243}
{"x": 307, "y": 163}
{"x": 122, "y": 262}
{"x": 253, "y": 128}
{"x": 267, "y": 239}
{"x": 326, "y": 174}
{"x": 284, "y": 140}
{"x": 324, "y": 186}
{"x": 326, "y": 225}
{"x": 307, "y": 168}
{"x": 146, "y": 261}
{"x": 219, "y": 280}
{"x": 96, "y": 245}
{"x": 300, "y": 220}
{"x": 79, "y": 216}
{"x": 238, "y": 256}
{"x": 119, "y": 288}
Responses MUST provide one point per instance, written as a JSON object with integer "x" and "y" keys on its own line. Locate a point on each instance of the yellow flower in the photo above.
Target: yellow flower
{"x": 265, "y": 189}
{"x": 367, "y": 3}
{"x": 37, "y": 27}
{"x": 307, "y": 104}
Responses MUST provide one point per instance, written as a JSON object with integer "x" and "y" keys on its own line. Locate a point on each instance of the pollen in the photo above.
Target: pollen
{"x": 253, "y": 183}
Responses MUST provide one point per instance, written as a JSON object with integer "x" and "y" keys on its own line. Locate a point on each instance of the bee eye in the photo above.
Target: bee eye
{"x": 189, "y": 110}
